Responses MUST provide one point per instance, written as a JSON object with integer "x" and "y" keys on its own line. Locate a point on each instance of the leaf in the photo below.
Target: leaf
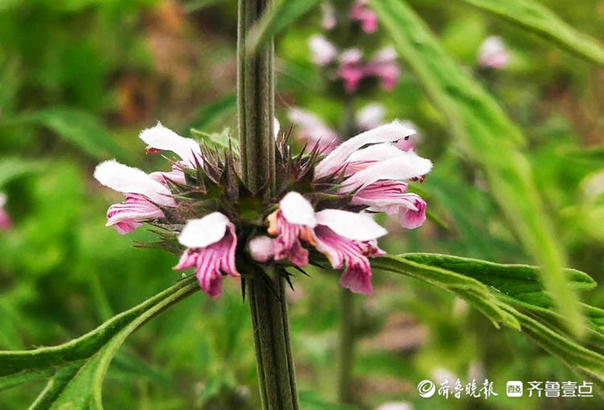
{"x": 510, "y": 295}
{"x": 83, "y": 362}
{"x": 77, "y": 127}
{"x": 489, "y": 138}
{"x": 540, "y": 20}
{"x": 282, "y": 14}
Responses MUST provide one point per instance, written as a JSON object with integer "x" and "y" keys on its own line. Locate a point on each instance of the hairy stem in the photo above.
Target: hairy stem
{"x": 255, "y": 101}
{"x": 346, "y": 345}
{"x": 268, "y": 306}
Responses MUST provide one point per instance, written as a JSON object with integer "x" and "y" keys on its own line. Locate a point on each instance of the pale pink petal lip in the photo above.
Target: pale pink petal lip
{"x": 391, "y": 132}
{"x": 323, "y": 52}
{"x": 262, "y": 248}
{"x": 199, "y": 233}
{"x": 350, "y": 225}
{"x": 128, "y": 180}
{"x": 162, "y": 138}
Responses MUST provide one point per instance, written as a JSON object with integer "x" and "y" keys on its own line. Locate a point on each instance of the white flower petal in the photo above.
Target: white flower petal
{"x": 128, "y": 180}
{"x": 199, "y": 233}
{"x": 405, "y": 166}
{"x": 391, "y": 132}
{"x": 162, "y": 138}
{"x": 350, "y": 225}
{"x": 297, "y": 210}
{"x": 2, "y": 199}
{"x": 377, "y": 152}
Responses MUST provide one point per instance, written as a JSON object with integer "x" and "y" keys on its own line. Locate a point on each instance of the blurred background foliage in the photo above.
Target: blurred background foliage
{"x": 80, "y": 78}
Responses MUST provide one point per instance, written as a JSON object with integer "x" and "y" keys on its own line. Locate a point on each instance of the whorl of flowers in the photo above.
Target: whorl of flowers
{"x": 350, "y": 66}
{"x": 322, "y": 205}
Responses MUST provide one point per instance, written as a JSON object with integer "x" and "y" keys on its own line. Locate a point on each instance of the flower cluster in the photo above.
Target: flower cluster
{"x": 322, "y": 206}
{"x": 349, "y": 65}
{"x": 352, "y": 68}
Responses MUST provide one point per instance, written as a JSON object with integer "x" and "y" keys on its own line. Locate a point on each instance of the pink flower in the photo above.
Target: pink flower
{"x": 387, "y": 133}
{"x": 493, "y": 53}
{"x": 347, "y": 239}
{"x": 361, "y": 12}
{"x": 391, "y": 198}
{"x": 211, "y": 243}
{"x": 374, "y": 170}
{"x": 351, "y": 69}
{"x": 385, "y": 67}
{"x": 144, "y": 195}
{"x": 262, "y": 248}
{"x": 329, "y": 16}
{"x": 313, "y": 130}
{"x": 290, "y": 223}
{"x": 5, "y": 221}
{"x": 323, "y": 52}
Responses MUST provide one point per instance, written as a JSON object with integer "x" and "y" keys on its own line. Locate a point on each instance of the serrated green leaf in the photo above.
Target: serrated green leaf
{"x": 489, "y": 138}
{"x": 279, "y": 16}
{"x": 518, "y": 281}
{"x": 82, "y": 363}
{"x": 469, "y": 289}
{"x": 540, "y": 20}
{"x": 511, "y": 295}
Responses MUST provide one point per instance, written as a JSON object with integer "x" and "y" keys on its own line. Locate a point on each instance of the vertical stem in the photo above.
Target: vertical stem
{"x": 346, "y": 345}
{"x": 255, "y": 101}
{"x": 266, "y": 293}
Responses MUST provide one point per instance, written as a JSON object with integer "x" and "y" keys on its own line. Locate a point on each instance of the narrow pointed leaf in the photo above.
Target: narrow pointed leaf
{"x": 540, "y": 20}
{"x": 511, "y": 295}
{"x": 77, "y": 368}
{"x": 490, "y": 139}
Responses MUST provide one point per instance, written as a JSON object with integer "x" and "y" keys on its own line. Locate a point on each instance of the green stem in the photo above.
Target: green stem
{"x": 255, "y": 101}
{"x": 346, "y": 345}
{"x": 275, "y": 365}
{"x": 266, "y": 292}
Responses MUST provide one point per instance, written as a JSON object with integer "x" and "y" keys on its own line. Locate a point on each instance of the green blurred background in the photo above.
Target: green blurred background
{"x": 80, "y": 78}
